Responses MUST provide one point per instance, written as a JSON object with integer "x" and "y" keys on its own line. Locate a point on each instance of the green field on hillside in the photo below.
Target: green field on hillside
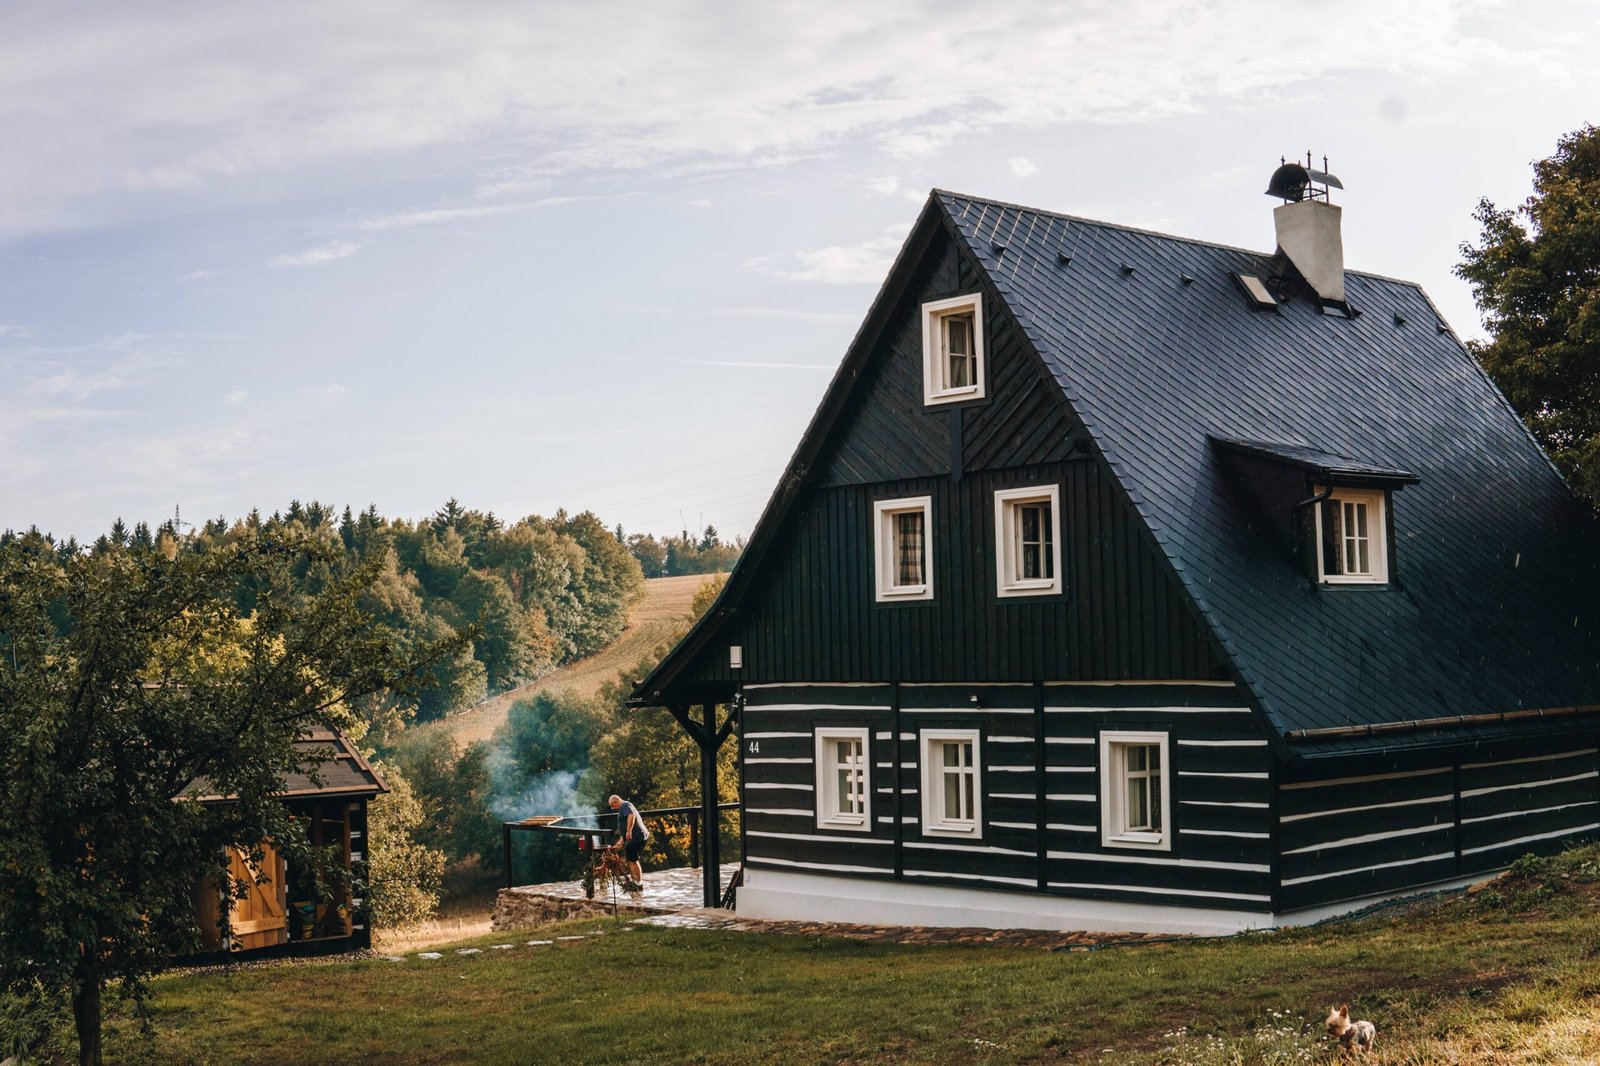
{"x": 1507, "y": 974}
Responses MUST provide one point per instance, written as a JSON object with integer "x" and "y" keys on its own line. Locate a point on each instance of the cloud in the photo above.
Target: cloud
{"x": 236, "y": 397}
{"x": 887, "y": 186}
{"x": 325, "y": 392}
{"x": 698, "y": 203}
{"x": 323, "y": 253}
{"x": 841, "y": 264}
{"x": 144, "y": 101}
{"x": 198, "y": 275}
{"x": 1022, "y": 166}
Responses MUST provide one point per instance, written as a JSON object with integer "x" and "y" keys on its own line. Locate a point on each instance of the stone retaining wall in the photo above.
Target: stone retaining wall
{"x": 520, "y": 909}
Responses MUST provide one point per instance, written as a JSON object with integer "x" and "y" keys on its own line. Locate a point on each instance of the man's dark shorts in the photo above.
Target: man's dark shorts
{"x": 633, "y": 849}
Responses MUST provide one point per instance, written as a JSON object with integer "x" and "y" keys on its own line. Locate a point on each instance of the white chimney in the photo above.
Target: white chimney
{"x": 1308, "y": 226}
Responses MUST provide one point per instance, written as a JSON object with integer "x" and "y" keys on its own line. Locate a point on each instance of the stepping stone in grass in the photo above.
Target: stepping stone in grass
{"x": 394, "y": 958}
{"x": 539, "y": 943}
{"x": 569, "y": 938}
{"x": 469, "y": 951}
{"x": 430, "y": 955}
{"x": 501, "y": 947}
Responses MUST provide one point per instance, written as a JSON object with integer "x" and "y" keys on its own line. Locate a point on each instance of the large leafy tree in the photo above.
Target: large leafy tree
{"x": 130, "y": 679}
{"x": 1536, "y": 276}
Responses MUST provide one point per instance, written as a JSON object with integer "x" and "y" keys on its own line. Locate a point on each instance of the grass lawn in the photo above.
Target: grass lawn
{"x": 1510, "y": 974}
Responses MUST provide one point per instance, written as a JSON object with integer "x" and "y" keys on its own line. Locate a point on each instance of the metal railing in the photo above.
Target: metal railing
{"x": 591, "y": 837}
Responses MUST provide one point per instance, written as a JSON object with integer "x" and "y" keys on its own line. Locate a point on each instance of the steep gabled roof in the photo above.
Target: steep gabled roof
{"x": 1150, "y": 341}
{"x": 1147, "y": 335}
{"x": 332, "y": 766}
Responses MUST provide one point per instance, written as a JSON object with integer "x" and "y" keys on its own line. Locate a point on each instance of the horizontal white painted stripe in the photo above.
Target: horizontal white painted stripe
{"x": 1251, "y": 776}
{"x": 884, "y": 735}
{"x": 908, "y": 736}
{"x": 776, "y": 736}
{"x": 1367, "y": 869}
{"x": 885, "y": 791}
{"x": 1530, "y": 839}
{"x": 825, "y": 839}
{"x": 1285, "y": 818}
{"x": 1147, "y": 710}
{"x": 1070, "y": 797}
{"x": 806, "y": 813}
{"x": 1069, "y": 740}
{"x": 971, "y": 877}
{"x": 984, "y": 848}
{"x": 884, "y": 765}
{"x": 1011, "y": 740}
{"x": 1010, "y": 769}
{"x": 769, "y": 784}
{"x": 1369, "y": 837}
{"x": 1116, "y": 684}
{"x": 1536, "y": 810}
{"x": 758, "y": 860}
{"x": 1012, "y": 795}
{"x": 1015, "y": 825}
{"x": 1361, "y": 780}
{"x": 1152, "y": 860}
{"x": 1069, "y": 769}
{"x": 1224, "y": 833}
{"x": 1061, "y": 827}
{"x": 815, "y": 707}
{"x": 1532, "y": 758}
{"x": 1222, "y": 803}
{"x": 966, "y": 710}
{"x": 817, "y": 684}
{"x": 1165, "y": 891}
{"x": 1529, "y": 784}
{"x": 749, "y": 761}
{"x": 966, "y": 684}
{"x": 1222, "y": 743}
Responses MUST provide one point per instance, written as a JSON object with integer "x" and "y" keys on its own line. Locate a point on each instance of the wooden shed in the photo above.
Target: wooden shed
{"x": 284, "y": 909}
{"x": 1127, "y": 581}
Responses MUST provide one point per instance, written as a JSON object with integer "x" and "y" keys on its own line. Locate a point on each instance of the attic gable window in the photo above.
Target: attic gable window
{"x": 903, "y": 548}
{"x": 952, "y": 350}
{"x": 1027, "y": 524}
{"x": 1352, "y": 538}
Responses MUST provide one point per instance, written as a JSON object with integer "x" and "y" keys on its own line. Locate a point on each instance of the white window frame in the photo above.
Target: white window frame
{"x": 885, "y": 560}
{"x": 931, "y": 760}
{"x": 1007, "y": 549}
{"x": 935, "y": 369}
{"x": 1113, "y": 791}
{"x": 1377, "y": 537}
{"x": 829, "y": 816}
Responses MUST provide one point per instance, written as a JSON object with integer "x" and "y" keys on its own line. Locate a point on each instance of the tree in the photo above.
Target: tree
{"x": 403, "y": 875}
{"x": 1538, "y": 287}
{"x": 129, "y": 680}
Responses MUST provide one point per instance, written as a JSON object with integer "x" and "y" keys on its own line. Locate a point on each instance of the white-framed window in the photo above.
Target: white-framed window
{"x": 903, "y": 548}
{"x": 1352, "y": 538}
{"x": 952, "y": 350}
{"x": 952, "y": 783}
{"x": 843, "y": 790}
{"x": 1135, "y": 797}
{"x": 1027, "y": 537}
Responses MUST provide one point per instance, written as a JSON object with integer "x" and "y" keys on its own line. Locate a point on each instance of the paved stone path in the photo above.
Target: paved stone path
{"x": 664, "y": 890}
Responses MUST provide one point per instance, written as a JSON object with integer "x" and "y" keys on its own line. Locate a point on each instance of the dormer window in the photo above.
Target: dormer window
{"x": 952, "y": 350}
{"x": 1352, "y": 537}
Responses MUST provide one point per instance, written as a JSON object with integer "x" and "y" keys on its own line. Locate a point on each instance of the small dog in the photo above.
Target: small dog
{"x": 1355, "y": 1038}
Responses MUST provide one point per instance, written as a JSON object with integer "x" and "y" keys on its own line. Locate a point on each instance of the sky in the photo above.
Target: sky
{"x": 606, "y": 256}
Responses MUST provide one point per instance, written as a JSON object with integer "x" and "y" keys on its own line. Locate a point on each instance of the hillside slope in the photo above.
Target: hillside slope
{"x": 665, "y": 604}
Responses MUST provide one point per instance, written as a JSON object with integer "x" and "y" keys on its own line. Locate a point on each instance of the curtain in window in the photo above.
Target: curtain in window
{"x": 909, "y": 542}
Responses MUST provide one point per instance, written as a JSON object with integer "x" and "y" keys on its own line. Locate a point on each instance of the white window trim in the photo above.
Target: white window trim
{"x": 828, "y": 814}
{"x": 1377, "y": 534}
{"x": 1005, "y": 541}
{"x": 934, "y": 823}
{"x": 932, "y": 371}
{"x": 1113, "y": 792}
{"x": 883, "y": 548}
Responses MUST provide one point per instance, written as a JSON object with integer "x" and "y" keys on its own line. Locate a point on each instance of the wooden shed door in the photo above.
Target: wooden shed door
{"x": 260, "y": 919}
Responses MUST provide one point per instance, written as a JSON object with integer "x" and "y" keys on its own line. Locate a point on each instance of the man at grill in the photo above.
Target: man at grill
{"x": 631, "y": 835}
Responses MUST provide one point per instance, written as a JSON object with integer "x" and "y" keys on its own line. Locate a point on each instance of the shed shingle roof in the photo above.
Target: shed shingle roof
{"x": 1494, "y": 607}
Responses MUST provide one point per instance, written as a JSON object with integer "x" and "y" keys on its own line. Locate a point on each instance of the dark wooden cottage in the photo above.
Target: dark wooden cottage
{"x": 1125, "y": 581}
{"x": 293, "y": 908}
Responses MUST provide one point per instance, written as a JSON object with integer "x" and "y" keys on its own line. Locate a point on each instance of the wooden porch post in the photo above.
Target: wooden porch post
{"x": 710, "y": 836}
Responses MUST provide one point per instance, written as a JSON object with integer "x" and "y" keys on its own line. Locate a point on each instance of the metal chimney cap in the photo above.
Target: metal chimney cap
{"x": 1291, "y": 181}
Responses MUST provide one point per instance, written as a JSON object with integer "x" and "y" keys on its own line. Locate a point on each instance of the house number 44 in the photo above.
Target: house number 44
{"x": 754, "y": 747}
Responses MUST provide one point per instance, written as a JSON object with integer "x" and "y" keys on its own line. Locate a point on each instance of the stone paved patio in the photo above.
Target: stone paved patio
{"x": 665, "y": 892}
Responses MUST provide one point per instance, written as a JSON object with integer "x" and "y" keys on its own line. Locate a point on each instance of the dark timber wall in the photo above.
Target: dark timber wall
{"x": 813, "y": 615}
{"x": 1040, "y": 788}
{"x": 1352, "y": 834}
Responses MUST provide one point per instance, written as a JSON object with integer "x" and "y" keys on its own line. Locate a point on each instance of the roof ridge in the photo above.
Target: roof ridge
{"x": 1084, "y": 219}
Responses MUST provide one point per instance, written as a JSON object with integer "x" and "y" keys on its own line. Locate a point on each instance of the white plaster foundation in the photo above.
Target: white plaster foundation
{"x": 780, "y": 895}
